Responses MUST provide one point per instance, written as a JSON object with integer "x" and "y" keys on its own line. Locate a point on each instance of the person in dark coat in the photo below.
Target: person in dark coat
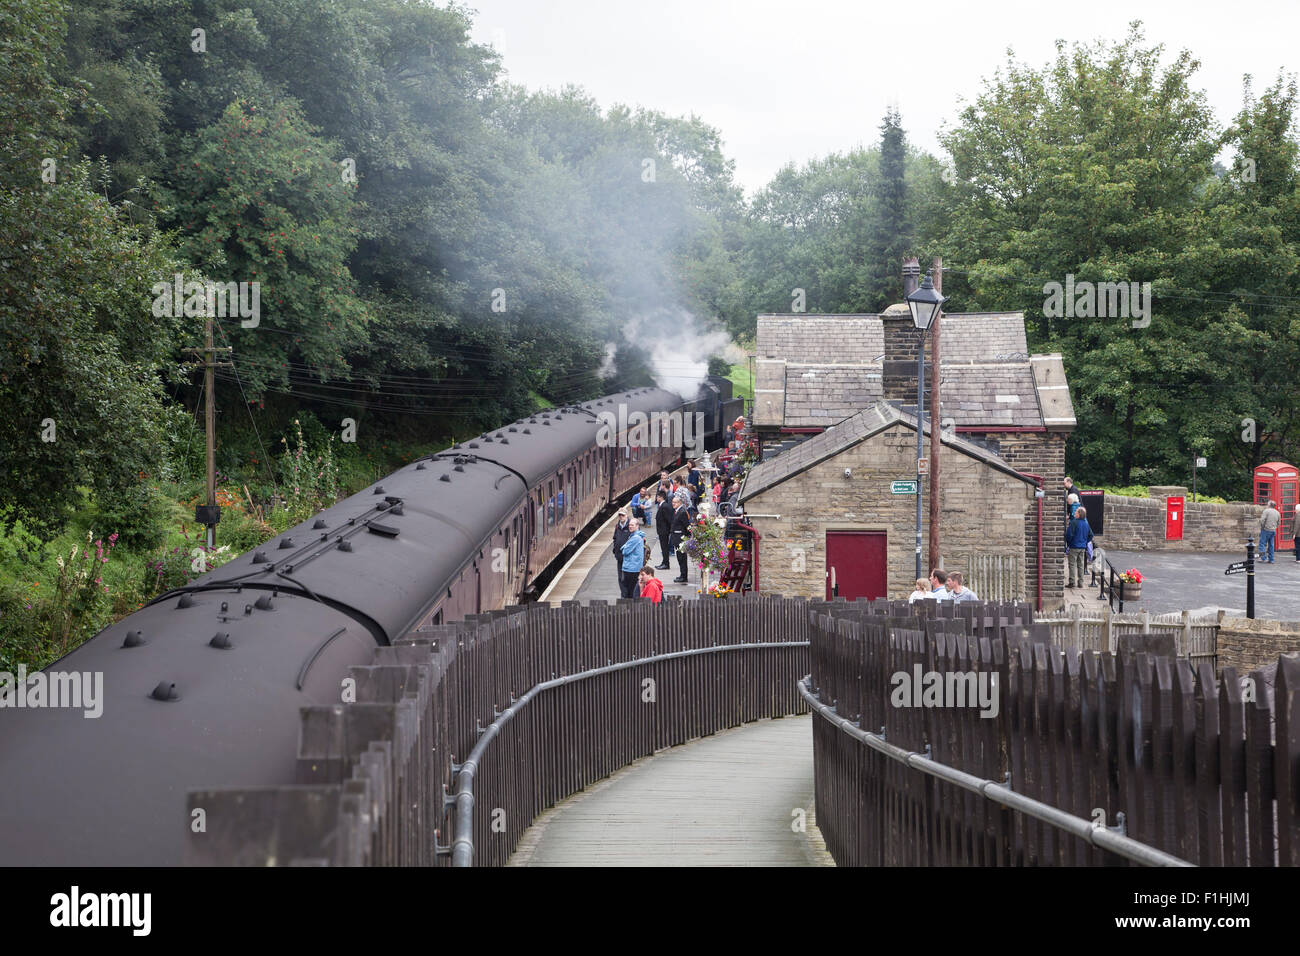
{"x": 663, "y": 527}
{"x": 620, "y": 537}
{"x": 1070, "y": 489}
{"x": 681, "y": 523}
{"x": 695, "y": 480}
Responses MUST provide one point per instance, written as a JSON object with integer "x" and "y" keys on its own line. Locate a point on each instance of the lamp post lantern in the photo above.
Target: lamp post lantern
{"x": 924, "y": 305}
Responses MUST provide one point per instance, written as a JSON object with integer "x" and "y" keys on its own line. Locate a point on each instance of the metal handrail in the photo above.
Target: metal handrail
{"x": 1106, "y": 838}
{"x": 462, "y": 847}
{"x": 1107, "y": 593}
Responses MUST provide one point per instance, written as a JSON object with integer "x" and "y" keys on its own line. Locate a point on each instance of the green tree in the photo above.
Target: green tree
{"x": 81, "y": 360}
{"x": 261, "y": 199}
{"x": 1095, "y": 167}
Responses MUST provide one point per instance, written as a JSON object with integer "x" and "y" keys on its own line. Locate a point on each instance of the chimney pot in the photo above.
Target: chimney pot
{"x": 911, "y": 275}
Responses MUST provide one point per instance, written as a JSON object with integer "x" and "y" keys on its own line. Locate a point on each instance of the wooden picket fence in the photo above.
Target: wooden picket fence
{"x": 992, "y": 576}
{"x": 376, "y": 775}
{"x": 1101, "y": 629}
{"x": 1206, "y": 769}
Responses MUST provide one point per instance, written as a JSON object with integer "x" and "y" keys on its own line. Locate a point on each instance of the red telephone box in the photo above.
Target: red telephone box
{"x": 1280, "y": 482}
{"x": 1174, "y": 518}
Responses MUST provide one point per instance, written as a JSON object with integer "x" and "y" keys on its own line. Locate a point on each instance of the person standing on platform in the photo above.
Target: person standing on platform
{"x": 1295, "y": 531}
{"x": 634, "y": 549}
{"x": 939, "y": 585}
{"x": 921, "y": 592}
{"x": 651, "y": 587}
{"x": 694, "y": 481}
{"x": 620, "y": 537}
{"x": 664, "y": 528}
{"x": 681, "y": 523}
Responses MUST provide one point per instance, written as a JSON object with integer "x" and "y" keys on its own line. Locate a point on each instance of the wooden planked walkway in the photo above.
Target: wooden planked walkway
{"x": 724, "y": 800}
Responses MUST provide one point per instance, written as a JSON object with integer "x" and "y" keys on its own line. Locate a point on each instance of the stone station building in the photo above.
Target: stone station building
{"x": 829, "y": 503}
{"x": 813, "y": 372}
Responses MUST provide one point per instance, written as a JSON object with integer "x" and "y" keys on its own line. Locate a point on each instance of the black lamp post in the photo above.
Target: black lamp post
{"x": 924, "y": 304}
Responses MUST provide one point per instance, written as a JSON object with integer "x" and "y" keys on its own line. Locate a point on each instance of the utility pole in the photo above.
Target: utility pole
{"x": 210, "y": 514}
{"x": 936, "y": 555}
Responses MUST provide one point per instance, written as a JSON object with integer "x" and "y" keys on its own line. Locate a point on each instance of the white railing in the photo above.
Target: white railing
{"x": 1089, "y": 629}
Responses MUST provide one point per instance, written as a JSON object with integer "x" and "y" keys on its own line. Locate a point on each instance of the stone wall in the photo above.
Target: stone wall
{"x": 983, "y": 511}
{"x": 1043, "y": 454}
{"x": 1138, "y": 524}
{"x": 1246, "y": 644}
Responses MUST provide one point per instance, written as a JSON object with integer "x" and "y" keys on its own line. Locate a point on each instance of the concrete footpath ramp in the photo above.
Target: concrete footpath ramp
{"x": 743, "y": 797}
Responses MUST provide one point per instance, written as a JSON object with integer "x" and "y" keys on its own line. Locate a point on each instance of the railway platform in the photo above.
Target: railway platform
{"x": 590, "y": 574}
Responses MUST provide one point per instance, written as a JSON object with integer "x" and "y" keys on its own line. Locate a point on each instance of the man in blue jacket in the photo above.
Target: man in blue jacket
{"x": 1077, "y": 536}
{"x": 634, "y": 552}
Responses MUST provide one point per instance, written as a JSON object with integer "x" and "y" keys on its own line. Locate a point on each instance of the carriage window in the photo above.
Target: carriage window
{"x": 550, "y": 505}
{"x": 559, "y": 498}
{"x": 508, "y": 554}
{"x": 540, "y": 527}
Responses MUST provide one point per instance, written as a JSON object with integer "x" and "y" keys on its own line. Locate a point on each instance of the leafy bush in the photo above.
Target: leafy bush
{"x": 310, "y": 477}
{"x": 138, "y": 515}
{"x": 241, "y": 531}
{"x": 40, "y": 623}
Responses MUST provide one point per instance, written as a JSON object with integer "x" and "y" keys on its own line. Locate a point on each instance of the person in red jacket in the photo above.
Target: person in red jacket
{"x": 651, "y": 586}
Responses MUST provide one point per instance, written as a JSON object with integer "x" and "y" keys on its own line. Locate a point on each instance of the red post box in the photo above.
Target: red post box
{"x": 1174, "y": 518}
{"x": 1278, "y": 481}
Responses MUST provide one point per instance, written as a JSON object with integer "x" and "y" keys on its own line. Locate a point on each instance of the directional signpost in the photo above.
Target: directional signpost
{"x": 903, "y": 488}
{"x": 1247, "y": 568}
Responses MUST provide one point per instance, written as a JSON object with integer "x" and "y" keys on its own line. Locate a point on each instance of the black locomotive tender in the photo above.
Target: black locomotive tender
{"x": 202, "y": 688}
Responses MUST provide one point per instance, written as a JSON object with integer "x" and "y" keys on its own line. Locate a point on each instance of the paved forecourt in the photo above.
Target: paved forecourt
{"x": 742, "y": 797}
{"x": 1178, "y": 581}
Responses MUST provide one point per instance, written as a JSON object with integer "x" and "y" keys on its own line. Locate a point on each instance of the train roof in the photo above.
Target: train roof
{"x": 536, "y": 446}
{"x": 295, "y": 613}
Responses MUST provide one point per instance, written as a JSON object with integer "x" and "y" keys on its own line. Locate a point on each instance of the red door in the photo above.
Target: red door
{"x": 856, "y": 564}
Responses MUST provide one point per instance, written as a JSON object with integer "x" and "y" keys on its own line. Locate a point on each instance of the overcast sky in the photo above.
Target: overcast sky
{"x": 795, "y": 80}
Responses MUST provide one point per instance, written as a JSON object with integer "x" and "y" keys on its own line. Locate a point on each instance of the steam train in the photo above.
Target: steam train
{"x": 202, "y": 687}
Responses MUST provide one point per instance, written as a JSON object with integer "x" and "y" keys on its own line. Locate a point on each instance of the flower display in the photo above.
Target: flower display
{"x": 705, "y": 544}
{"x": 1131, "y": 576}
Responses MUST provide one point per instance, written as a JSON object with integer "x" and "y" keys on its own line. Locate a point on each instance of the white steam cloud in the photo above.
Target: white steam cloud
{"x": 679, "y": 350}
{"x": 608, "y": 367}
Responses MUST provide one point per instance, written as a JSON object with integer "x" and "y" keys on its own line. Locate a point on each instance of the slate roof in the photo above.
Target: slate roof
{"x": 858, "y": 428}
{"x": 816, "y": 370}
{"x": 821, "y": 339}
{"x": 989, "y": 394}
{"x": 982, "y": 337}
{"x": 814, "y": 394}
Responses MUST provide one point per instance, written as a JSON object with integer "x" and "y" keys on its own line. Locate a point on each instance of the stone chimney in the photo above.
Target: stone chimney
{"x": 898, "y": 376}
